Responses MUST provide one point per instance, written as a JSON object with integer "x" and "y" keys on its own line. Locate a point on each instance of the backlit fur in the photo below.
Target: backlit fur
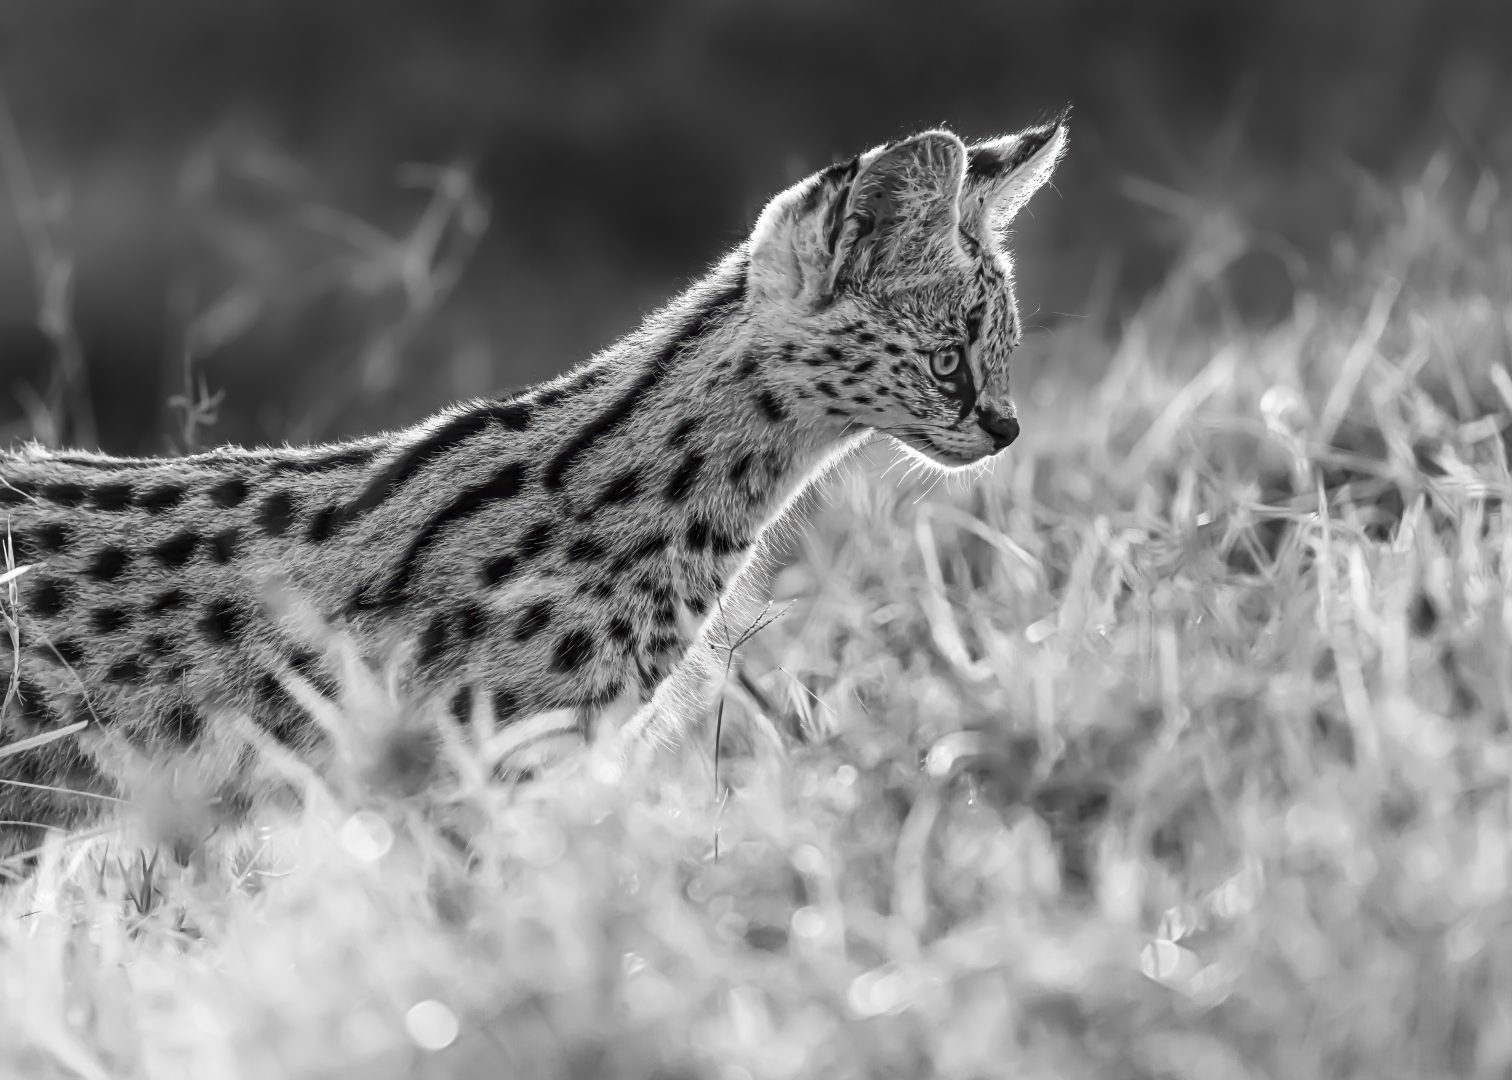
{"x": 555, "y": 550}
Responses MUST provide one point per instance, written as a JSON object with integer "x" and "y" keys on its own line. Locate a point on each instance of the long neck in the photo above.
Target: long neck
{"x": 655, "y": 467}
{"x": 687, "y": 405}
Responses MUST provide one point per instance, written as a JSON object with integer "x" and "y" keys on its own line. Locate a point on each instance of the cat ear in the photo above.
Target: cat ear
{"x": 1002, "y": 174}
{"x": 905, "y": 199}
{"x": 859, "y": 219}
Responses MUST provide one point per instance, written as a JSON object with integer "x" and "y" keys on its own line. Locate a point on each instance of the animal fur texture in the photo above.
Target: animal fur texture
{"x": 561, "y": 548}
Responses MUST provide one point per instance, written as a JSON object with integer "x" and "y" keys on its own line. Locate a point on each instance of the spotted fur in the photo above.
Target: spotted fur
{"x": 558, "y": 549}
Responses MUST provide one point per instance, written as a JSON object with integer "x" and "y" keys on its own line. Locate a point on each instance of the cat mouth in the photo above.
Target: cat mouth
{"x": 948, "y": 457}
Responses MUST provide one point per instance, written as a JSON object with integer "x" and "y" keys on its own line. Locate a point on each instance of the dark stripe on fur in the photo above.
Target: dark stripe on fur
{"x": 584, "y": 379}
{"x": 510, "y": 415}
{"x": 339, "y": 457}
{"x": 621, "y": 409}
{"x": 504, "y": 484}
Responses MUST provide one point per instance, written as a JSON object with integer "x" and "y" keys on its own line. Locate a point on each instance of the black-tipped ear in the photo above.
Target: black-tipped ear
{"x": 857, "y": 219}
{"x": 1002, "y": 174}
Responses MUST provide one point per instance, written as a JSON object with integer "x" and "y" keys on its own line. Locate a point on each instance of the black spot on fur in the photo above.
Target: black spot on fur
{"x": 283, "y": 723}
{"x": 533, "y": 619}
{"x": 585, "y": 549}
{"x": 323, "y": 524}
{"x": 697, "y": 602}
{"x": 861, "y": 399}
{"x": 746, "y": 368}
{"x": 834, "y": 353}
{"x": 573, "y": 649}
{"x": 506, "y": 704}
{"x": 698, "y": 535}
{"x": 740, "y": 467}
{"x": 433, "y": 640}
{"x": 276, "y": 513}
{"x": 69, "y": 651}
{"x": 48, "y": 598}
{"x": 16, "y": 492}
{"x": 223, "y": 546}
{"x": 498, "y": 568}
{"x": 111, "y": 497}
{"x": 681, "y": 483}
{"x": 535, "y": 540}
{"x": 892, "y": 348}
{"x": 171, "y": 600}
{"x": 271, "y": 693}
{"x": 771, "y": 406}
{"x": 157, "y": 645}
{"x": 472, "y": 621}
{"x": 130, "y": 670}
{"x": 161, "y": 498}
{"x": 723, "y": 544}
{"x": 681, "y": 433}
{"x": 183, "y": 723}
{"x": 461, "y": 704}
{"x": 307, "y": 665}
{"x": 509, "y": 415}
{"x": 229, "y": 493}
{"x": 108, "y": 564}
{"x": 64, "y": 493}
{"x": 620, "y": 628}
{"x": 622, "y": 488}
{"x": 621, "y": 409}
{"x": 109, "y": 620}
{"x": 662, "y": 643}
{"x": 50, "y": 538}
{"x": 826, "y": 389}
{"x": 177, "y": 550}
{"x": 861, "y": 367}
{"x": 644, "y": 548}
{"x": 223, "y": 621}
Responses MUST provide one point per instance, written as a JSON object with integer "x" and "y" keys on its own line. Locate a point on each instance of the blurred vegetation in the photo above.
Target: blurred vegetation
{"x": 185, "y": 155}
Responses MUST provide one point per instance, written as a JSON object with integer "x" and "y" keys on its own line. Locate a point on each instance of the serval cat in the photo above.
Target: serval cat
{"x": 555, "y": 549}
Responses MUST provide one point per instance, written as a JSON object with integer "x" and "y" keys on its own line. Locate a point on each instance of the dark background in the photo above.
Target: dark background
{"x": 224, "y": 180}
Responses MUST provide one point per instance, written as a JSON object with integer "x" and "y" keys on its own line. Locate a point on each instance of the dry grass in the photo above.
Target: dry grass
{"x": 1177, "y": 746}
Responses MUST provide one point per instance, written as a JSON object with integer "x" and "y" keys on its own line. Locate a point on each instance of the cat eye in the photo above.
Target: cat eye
{"x": 947, "y": 363}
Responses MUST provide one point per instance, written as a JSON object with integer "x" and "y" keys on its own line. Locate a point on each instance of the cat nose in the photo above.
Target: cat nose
{"x": 1003, "y": 429}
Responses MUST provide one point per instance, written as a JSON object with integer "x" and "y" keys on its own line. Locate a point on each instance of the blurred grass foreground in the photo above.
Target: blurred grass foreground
{"x": 1175, "y": 747}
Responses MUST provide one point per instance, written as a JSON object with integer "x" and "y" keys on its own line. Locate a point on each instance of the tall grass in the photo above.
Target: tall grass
{"x": 1175, "y": 746}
